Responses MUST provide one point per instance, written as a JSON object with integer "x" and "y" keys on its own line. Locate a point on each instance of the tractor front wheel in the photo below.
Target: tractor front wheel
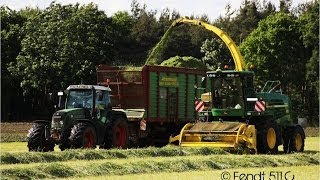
{"x": 83, "y": 135}
{"x": 36, "y": 139}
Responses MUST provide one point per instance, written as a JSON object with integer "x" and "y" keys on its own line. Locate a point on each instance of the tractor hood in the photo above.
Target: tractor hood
{"x": 75, "y": 113}
{"x": 64, "y": 118}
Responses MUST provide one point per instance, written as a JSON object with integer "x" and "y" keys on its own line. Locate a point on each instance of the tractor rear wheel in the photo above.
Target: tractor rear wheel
{"x": 267, "y": 133}
{"x": 294, "y": 140}
{"x": 117, "y": 135}
{"x": 36, "y": 139}
{"x": 82, "y": 135}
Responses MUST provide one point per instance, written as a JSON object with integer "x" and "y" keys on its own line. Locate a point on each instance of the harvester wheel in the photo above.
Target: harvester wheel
{"x": 294, "y": 141}
{"x": 267, "y": 133}
{"x": 118, "y": 134}
{"x": 36, "y": 139}
{"x": 83, "y": 135}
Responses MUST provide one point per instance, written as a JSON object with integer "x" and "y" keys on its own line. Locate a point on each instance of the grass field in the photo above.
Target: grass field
{"x": 148, "y": 165}
{"x": 170, "y": 162}
{"x": 298, "y": 172}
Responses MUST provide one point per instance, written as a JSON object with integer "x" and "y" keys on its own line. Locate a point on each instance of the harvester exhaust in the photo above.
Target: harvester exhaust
{"x": 226, "y": 135}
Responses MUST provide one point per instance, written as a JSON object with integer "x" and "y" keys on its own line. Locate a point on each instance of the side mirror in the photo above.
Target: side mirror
{"x": 60, "y": 94}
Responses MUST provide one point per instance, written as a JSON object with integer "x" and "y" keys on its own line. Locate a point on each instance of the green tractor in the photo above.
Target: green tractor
{"x": 87, "y": 120}
{"x": 236, "y": 116}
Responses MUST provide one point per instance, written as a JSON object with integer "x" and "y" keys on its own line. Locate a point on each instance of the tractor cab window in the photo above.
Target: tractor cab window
{"x": 227, "y": 93}
{"x": 80, "y": 99}
{"x": 102, "y": 99}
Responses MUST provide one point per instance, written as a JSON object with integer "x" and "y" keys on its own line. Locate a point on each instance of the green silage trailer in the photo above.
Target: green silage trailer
{"x": 157, "y": 100}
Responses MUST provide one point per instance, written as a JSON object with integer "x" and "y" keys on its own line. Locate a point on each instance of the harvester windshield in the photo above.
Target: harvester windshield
{"x": 80, "y": 98}
{"x": 227, "y": 93}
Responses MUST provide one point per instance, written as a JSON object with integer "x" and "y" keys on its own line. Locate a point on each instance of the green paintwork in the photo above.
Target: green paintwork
{"x": 68, "y": 116}
{"x": 169, "y": 82}
{"x": 172, "y": 95}
{"x": 228, "y": 112}
{"x": 278, "y": 106}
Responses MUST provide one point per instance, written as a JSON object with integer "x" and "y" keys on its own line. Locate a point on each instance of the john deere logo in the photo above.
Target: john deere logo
{"x": 169, "y": 82}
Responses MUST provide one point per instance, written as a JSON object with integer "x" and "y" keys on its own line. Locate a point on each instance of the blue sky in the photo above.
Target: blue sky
{"x": 213, "y": 8}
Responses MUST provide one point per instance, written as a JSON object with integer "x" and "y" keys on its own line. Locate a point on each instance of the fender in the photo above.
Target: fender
{"x": 115, "y": 114}
{"x": 86, "y": 121}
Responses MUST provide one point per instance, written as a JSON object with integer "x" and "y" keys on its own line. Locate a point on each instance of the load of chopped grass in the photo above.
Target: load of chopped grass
{"x": 186, "y": 61}
{"x": 155, "y": 165}
{"x": 156, "y": 56}
{"x": 133, "y": 68}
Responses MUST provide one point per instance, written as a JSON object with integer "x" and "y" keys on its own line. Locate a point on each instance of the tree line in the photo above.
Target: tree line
{"x": 45, "y": 50}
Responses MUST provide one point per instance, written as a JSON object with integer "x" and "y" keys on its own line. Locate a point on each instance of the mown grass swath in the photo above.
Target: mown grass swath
{"x": 36, "y": 157}
{"x": 155, "y": 165}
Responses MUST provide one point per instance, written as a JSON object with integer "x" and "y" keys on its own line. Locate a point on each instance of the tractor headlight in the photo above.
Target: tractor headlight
{"x": 57, "y": 122}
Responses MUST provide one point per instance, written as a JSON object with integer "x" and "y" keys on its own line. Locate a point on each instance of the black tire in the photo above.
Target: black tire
{"x": 294, "y": 139}
{"x": 267, "y": 137}
{"x": 83, "y": 135}
{"x": 65, "y": 142}
{"x": 36, "y": 139}
{"x": 160, "y": 137}
{"x": 117, "y": 135}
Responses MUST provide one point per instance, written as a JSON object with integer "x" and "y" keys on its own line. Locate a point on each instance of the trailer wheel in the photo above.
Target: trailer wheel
{"x": 36, "y": 139}
{"x": 294, "y": 141}
{"x": 117, "y": 135}
{"x": 83, "y": 135}
{"x": 267, "y": 133}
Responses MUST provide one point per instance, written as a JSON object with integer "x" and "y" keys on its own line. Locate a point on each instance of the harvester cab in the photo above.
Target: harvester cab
{"x": 228, "y": 95}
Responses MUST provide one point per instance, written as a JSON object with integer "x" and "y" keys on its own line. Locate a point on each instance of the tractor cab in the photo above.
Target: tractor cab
{"x": 229, "y": 93}
{"x": 89, "y": 97}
